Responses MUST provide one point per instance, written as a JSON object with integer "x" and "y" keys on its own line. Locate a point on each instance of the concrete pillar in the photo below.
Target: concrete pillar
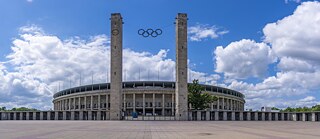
{"x": 303, "y": 116}
{"x": 107, "y": 101}
{"x": 107, "y": 115}
{"x": 256, "y": 116}
{"x": 124, "y": 102}
{"x": 276, "y": 116}
{"x": 233, "y": 116}
{"x": 163, "y": 104}
{"x": 79, "y": 103}
{"x": 99, "y": 107}
{"x": 223, "y": 103}
{"x": 134, "y": 102}
{"x": 69, "y": 104}
{"x": 48, "y": 115}
{"x": 231, "y": 104}
{"x": 144, "y": 104}
{"x": 116, "y": 66}
{"x": 41, "y": 115}
{"x": 90, "y": 115}
{"x": 72, "y": 115}
{"x": 91, "y": 102}
{"x": 181, "y": 87}
{"x": 27, "y": 115}
{"x": 218, "y": 104}
{"x": 21, "y": 115}
{"x": 225, "y": 116}
{"x": 248, "y": 116}
{"x": 241, "y": 116}
{"x": 81, "y": 115}
{"x": 74, "y": 103}
{"x": 313, "y": 117}
{"x": 270, "y": 116}
{"x": 263, "y": 116}
{"x": 153, "y": 104}
{"x": 198, "y": 115}
{"x": 34, "y": 116}
{"x": 282, "y": 116}
{"x": 56, "y": 115}
{"x": 14, "y": 115}
{"x": 172, "y": 106}
{"x": 64, "y": 115}
{"x": 85, "y": 102}
{"x": 216, "y": 116}
{"x": 98, "y": 115}
{"x": 294, "y": 117}
{"x": 208, "y": 115}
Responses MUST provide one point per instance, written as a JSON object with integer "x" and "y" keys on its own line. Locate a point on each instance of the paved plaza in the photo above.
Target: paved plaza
{"x": 157, "y": 129}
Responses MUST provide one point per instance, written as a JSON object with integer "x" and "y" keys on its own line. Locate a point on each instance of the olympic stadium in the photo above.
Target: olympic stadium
{"x": 150, "y": 100}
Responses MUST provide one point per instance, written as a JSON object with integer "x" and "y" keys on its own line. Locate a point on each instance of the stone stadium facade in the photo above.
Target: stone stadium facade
{"x": 149, "y": 100}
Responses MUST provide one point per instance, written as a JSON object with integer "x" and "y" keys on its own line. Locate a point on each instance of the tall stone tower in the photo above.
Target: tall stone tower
{"x": 181, "y": 91}
{"x": 116, "y": 66}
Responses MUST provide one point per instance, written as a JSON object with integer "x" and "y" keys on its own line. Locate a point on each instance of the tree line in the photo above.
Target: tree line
{"x": 18, "y": 109}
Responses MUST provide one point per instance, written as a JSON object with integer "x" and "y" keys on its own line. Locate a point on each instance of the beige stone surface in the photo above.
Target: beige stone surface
{"x": 158, "y": 129}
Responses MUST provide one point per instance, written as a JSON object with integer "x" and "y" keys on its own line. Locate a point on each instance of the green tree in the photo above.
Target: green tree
{"x": 199, "y": 99}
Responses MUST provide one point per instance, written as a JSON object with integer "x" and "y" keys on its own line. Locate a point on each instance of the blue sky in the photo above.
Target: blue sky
{"x": 255, "y": 49}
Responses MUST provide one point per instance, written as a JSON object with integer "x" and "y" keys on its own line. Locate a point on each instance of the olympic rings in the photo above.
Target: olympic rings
{"x": 150, "y": 32}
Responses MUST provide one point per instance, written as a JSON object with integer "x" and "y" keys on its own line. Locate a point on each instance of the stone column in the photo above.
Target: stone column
{"x": 144, "y": 104}
{"x": 198, "y": 115}
{"x": 89, "y": 115}
{"x": 80, "y": 115}
{"x": 69, "y": 104}
{"x": 116, "y": 66}
{"x": 56, "y": 115}
{"x": 74, "y": 103}
{"x": 107, "y": 101}
{"x": 27, "y": 116}
{"x": 303, "y": 116}
{"x": 181, "y": 88}
{"x": 98, "y": 115}
{"x": 248, "y": 116}
{"x": 263, "y": 116}
{"x": 231, "y": 104}
{"x": 172, "y": 102}
{"x": 124, "y": 102}
{"x": 223, "y": 103}
{"x": 225, "y": 116}
{"x": 134, "y": 102}
{"x": 216, "y": 116}
{"x": 34, "y": 116}
{"x": 14, "y": 115}
{"x": 163, "y": 104}
{"x": 276, "y": 116}
{"x": 282, "y": 116}
{"x": 91, "y": 103}
{"x": 208, "y": 115}
{"x": 233, "y": 115}
{"x": 79, "y": 103}
{"x": 72, "y": 115}
{"x": 153, "y": 104}
{"x": 241, "y": 116}
{"x": 48, "y": 115}
{"x": 294, "y": 116}
{"x": 218, "y": 104}
{"x": 64, "y": 115}
{"x": 256, "y": 116}
{"x": 85, "y": 102}
{"x": 41, "y": 115}
{"x": 313, "y": 117}
{"x": 21, "y": 115}
{"x": 270, "y": 116}
{"x": 99, "y": 105}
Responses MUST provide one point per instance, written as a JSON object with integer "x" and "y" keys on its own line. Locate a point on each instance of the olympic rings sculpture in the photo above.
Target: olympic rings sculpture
{"x": 149, "y": 32}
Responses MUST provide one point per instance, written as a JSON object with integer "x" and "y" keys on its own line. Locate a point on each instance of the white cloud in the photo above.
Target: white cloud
{"x": 294, "y": 40}
{"x": 30, "y": 1}
{"x": 200, "y": 32}
{"x": 42, "y": 62}
{"x": 244, "y": 58}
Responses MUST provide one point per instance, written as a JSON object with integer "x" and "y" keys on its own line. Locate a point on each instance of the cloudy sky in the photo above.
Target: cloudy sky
{"x": 268, "y": 50}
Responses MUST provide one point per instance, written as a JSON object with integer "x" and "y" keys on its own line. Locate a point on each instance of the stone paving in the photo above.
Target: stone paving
{"x": 158, "y": 129}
